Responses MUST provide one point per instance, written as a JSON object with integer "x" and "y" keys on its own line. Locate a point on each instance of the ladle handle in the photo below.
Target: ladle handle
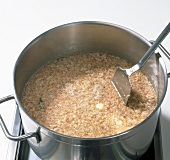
{"x": 148, "y": 54}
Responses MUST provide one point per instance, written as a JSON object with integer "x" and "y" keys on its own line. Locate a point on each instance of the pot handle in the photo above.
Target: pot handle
{"x": 16, "y": 138}
{"x": 166, "y": 53}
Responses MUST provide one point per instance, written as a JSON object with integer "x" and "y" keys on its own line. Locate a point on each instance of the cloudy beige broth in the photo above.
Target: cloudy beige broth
{"x": 74, "y": 96}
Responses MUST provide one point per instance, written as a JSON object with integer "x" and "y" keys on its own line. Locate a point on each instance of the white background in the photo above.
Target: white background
{"x": 22, "y": 21}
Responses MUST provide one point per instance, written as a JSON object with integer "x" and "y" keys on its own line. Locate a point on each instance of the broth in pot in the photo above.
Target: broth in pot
{"x": 74, "y": 96}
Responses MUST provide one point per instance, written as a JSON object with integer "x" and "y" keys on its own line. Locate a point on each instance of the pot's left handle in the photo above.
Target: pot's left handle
{"x": 16, "y": 138}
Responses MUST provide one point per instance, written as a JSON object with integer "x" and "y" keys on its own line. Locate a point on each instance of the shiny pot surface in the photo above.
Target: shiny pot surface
{"x": 89, "y": 37}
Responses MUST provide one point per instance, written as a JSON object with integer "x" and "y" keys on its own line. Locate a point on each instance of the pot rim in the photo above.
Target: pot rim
{"x": 117, "y": 137}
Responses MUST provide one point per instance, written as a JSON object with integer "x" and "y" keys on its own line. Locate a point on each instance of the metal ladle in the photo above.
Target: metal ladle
{"x": 120, "y": 79}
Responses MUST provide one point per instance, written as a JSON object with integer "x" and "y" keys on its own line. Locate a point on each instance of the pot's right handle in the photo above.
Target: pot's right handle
{"x": 166, "y": 53}
{"x": 16, "y": 138}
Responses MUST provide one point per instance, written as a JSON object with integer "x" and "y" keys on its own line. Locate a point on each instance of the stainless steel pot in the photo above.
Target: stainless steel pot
{"x": 87, "y": 37}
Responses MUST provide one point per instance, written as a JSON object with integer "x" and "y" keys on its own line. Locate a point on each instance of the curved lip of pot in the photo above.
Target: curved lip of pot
{"x": 104, "y": 140}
